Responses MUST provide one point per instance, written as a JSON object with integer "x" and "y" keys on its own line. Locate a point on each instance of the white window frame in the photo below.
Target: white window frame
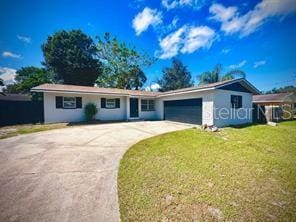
{"x": 149, "y": 105}
{"x": 110, "y": 103}
{"x": 66, "y": 103}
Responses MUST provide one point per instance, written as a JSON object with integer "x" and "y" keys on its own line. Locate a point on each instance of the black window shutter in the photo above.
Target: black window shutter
{"x": 117, "y": 103}
{"x": 232, "y": 101}
{"x": 59, "y": 102}
{"x": 78, "y": 102}
{"x": 103, "y": 102}
{"x": 240, "y": 102}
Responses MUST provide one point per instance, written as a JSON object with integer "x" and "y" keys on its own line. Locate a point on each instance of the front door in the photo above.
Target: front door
{"x": 134, "y": 110}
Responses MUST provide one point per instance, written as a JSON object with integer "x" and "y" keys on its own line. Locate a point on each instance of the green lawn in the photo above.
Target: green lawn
{"x": 237, "y": 174}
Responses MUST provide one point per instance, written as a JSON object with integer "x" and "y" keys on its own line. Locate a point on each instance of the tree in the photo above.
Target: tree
{"x": 121, "y": 64}
{"x": 136, "y": 78}
{"x": 11, "y": 88}
{"x": 175, "y": 77}
{"x": 29, "y": 77}
{"x": 284, "y": 89}
{"x": 72, "y": 56}
{"x": 216, "y": 75}
{"x": 1, "y": 82}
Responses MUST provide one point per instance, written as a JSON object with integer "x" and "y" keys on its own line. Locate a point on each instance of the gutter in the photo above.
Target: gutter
{"x": 88, "y": 93}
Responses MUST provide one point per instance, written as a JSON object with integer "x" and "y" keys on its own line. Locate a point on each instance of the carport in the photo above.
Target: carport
{"x": 279, "y": 106}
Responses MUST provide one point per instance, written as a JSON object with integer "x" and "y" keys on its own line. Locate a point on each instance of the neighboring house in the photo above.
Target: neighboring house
{"x": 221, "y": 104}
{"x": 14, "y": 97}
{"x": 279, "y": 106}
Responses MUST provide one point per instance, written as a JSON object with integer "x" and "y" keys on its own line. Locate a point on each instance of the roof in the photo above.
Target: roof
{"x": 115, "y": 91}
{"x": 215, "y": 85}
{"x": 276, "y": 98}
{"x": 90, "y": 90}
{"x": 14, "y": 97}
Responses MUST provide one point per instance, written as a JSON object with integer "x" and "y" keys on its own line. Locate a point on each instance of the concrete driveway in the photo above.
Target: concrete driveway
{"x": 68, "y": 174}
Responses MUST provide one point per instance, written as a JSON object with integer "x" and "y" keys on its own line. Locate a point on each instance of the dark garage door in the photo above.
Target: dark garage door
{"x": 187, "y": 111}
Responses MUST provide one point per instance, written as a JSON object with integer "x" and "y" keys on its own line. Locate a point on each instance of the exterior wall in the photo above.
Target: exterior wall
{"x": 222, "y": 105}
{"x": 147, "y": 115}
{"x": 51, "y": 114}
{"x": 144, "y": 115}
{"x": 207, "y": 104}
{"x": 213, "y": 102}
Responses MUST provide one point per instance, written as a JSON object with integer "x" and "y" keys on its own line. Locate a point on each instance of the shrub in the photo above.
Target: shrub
{"x": 90, "y": 110}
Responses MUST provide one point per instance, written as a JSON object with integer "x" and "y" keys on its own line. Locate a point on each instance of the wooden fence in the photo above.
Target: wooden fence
{"x": 21, "y": 112}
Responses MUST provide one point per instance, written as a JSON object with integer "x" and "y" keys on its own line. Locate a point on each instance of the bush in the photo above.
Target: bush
{"x": 90, "y": 110}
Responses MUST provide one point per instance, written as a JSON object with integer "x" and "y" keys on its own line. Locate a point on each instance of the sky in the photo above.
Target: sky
{"x": 257, "y": 37}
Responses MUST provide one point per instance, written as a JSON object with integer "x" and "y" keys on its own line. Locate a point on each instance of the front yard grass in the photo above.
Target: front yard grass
{"x": 9, "y": 131}
{"x": 241, "y": 174}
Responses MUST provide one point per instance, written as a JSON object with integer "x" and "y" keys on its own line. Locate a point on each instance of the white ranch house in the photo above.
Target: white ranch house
{"x": 221, "y": 104}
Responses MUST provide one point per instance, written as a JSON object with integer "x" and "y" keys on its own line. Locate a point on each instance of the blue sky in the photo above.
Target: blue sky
{"x": 255, "y": 36}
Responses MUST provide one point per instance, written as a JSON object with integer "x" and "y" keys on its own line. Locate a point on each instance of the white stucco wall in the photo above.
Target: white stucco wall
{"x": 207, "y": 104}
{"x": 51, "y": 114}
{"x": 225, "y": 115}
{"x": 213, "y": 102}
{"x": 144, "y": 115}
{"x": 147, "y": 115}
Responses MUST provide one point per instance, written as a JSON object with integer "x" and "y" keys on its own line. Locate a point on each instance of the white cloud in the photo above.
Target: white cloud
{"x": 7, "y": 75}
{"x": 233, "y": 22}
{"x": 198, "y": 37}
{"x": 171, "y": 4}
{"x": 239, "y": 65}
{"x": 175, "y": 21}
{"x": 148, "y": 17}
{"x": 225, "y": 51}
{"x": 11, "y": 55}
{"x": 171, "y": 44}
{"x": 25, "y": 39}
{"x": 164, "y": 29}
{"x": 186, "y": 39}
{"x": 259, "y": 63}
{"x": 153, "y": 87}
{"x": 221, "y": 13}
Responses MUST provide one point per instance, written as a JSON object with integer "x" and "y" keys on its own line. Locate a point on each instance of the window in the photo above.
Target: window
{"x": 236, "y": 101}
{"x": 69, "y": 102}
{"x": 110, "y": 103}
{"x": 147, "y": 105}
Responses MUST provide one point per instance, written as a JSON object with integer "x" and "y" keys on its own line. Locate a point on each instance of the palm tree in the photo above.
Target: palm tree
{"x": 216, "y": 75}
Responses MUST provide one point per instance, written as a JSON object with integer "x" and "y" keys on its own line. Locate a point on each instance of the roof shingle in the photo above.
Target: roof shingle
{"x": 115, "y": 91}
{"x": 91, "y": 89}
{"x": 278, "y": 97}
